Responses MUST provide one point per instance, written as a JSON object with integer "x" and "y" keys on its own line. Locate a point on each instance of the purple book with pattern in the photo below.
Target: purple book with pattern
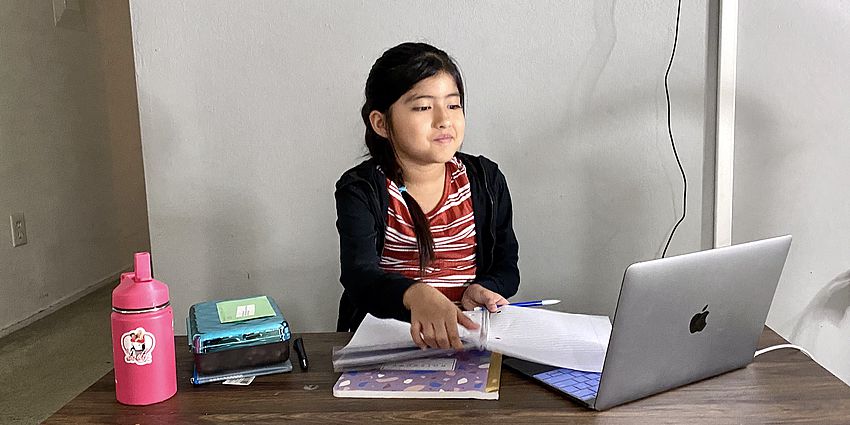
{"x": 463, "y": 374}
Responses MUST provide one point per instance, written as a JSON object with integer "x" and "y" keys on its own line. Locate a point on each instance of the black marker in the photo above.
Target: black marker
{"x": 302, "y": 355}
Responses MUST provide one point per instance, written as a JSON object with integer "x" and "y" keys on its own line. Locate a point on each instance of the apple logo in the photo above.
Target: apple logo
{"x": 698, "y": 321}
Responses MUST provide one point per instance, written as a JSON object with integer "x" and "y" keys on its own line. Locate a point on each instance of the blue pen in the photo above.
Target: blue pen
{"x": 537, "y": 303}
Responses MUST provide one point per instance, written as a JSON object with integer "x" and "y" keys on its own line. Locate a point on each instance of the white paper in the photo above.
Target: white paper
{"x": 374, "y": 333}
{"x": 381, "y": 334}
{"x": 574, "y": 341}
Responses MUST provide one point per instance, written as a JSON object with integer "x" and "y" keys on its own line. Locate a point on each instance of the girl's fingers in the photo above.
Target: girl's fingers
{"x": 465, "y": 321}
{"x": 454, "y": 338}
{"x": 441, "y": 337}
{"x": 428, "y": 335}
{"x": 416, "y": 334}
{"x": 467, "y": 303}
{"x": 494, "y": 301}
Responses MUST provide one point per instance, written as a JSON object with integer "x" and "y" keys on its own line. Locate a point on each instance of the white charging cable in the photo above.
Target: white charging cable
{"x": 776, "y": 347}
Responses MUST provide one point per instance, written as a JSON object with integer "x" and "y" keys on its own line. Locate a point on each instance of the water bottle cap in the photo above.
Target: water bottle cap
{"x": 138, "y": 290}
{"x": 142, "y": 266}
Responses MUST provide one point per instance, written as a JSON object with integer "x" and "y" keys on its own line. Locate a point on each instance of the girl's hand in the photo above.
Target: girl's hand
{"x": 479, "y": 296}
{"x": 433, "y": 318}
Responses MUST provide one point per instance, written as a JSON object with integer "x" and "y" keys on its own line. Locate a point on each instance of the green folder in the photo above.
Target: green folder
{"x": 244, "y": 309}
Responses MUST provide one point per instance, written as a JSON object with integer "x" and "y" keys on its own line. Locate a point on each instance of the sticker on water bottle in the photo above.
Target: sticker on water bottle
{"x": 138, "y": 345}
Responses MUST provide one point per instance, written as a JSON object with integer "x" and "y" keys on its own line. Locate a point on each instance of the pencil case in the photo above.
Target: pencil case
{"x": 220, "y": 348}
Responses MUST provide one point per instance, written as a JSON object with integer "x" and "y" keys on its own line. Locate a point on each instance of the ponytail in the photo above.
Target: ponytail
{"x": 422, "y": 229}
{"x": 381, "y": 149}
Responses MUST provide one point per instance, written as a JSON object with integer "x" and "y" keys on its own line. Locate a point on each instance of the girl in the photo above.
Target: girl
{"x": 422, "y": 227}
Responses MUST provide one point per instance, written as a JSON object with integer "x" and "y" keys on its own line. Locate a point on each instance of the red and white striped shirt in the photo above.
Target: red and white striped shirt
{"x": 453, "y": 228}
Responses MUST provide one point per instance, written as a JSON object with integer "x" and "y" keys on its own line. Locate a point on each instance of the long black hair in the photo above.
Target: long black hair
{"x": 393, "y": 75}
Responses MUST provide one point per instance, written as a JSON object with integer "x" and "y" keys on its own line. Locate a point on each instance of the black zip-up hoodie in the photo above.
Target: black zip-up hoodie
{"x": 361, "y": 207}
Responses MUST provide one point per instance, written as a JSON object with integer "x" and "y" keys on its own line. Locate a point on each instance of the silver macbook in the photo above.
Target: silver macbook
{"x": 678, "y": 320}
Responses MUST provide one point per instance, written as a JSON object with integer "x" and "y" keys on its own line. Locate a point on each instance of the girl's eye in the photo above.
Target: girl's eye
{"x": 455, "y": 107}
{"x": 421, "y": 108}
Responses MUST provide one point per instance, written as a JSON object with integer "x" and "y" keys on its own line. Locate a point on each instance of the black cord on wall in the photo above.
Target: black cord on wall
{"x": 670, "y": 132}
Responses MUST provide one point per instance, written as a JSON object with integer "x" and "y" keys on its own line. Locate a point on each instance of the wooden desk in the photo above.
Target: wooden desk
{"x": 780, "y": 386}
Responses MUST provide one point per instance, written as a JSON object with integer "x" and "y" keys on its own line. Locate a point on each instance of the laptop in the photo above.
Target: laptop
{"x": 678, "y": 320}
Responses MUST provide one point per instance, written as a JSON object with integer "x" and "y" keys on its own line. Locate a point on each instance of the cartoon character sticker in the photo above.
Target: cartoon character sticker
{"x": 138, "y": 345}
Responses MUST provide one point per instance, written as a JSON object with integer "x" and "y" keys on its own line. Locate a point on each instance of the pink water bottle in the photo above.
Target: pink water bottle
{"x": 143, "y": 337}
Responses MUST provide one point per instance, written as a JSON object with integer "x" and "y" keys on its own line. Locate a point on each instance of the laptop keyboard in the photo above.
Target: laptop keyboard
{"x": 579, "y": 384}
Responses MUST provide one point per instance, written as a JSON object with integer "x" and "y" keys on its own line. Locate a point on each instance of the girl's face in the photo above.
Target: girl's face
{"x": 427, "y": 122}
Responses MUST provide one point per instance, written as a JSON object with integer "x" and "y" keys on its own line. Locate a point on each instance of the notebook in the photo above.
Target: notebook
{"x": 463, "y": 374}
{"x": 575, "y": 341}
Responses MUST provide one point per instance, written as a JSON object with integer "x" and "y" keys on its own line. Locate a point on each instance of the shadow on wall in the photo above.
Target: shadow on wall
{"x": 600, "y": 219}
{"x": 543, "y": 200}
{"x": 831, "y": 303}
{"x": 760, "y": 120}
{"x": 789, "y": 119}
{"x": 206, "y": 228}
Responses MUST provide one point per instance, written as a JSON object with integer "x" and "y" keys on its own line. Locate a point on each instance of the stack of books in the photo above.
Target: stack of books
{"x": 382, "y": 361}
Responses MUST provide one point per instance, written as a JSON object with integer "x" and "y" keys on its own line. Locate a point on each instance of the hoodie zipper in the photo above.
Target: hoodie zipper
{"x": 380, "y": 222}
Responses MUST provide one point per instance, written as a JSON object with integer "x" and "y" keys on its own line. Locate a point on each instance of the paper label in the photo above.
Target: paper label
{"x": 244, "y": 309}
{"x": 245, "y": 380}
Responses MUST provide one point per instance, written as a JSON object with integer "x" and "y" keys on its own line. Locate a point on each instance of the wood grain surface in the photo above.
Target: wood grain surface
{"x": 782, "y": 386}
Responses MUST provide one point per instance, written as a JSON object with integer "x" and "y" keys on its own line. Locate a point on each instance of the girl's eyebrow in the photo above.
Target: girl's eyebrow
{"x": 415, "y": 97}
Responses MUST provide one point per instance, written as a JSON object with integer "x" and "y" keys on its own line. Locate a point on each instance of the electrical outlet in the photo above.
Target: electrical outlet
{"x": 19, "y": 229}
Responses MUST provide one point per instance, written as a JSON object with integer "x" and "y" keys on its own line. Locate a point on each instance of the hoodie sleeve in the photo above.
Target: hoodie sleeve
{"x": 370, "y": 287}
{"x": 503, "y": 276}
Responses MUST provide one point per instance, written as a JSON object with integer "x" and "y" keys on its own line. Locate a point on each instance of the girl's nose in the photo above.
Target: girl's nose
{"x": 442, "y": 120}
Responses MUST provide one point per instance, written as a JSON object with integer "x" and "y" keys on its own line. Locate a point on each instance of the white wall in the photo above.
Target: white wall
{"x": 791, "y": 163}
{"x": 250, "y": 112}
{"x": 70, "y": 155}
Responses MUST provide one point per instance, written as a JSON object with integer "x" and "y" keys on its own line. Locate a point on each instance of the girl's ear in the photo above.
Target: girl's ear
{"x": 379, "y": 123}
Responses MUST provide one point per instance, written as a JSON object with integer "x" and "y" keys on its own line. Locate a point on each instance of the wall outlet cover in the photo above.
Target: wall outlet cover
{"x": 19, "y": 229}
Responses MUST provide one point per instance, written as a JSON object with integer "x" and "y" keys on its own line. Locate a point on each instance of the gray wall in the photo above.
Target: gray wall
{"x": 70, "y": 155}
{"x": 791, "y": 163}
{"x": 249, "y": 114}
